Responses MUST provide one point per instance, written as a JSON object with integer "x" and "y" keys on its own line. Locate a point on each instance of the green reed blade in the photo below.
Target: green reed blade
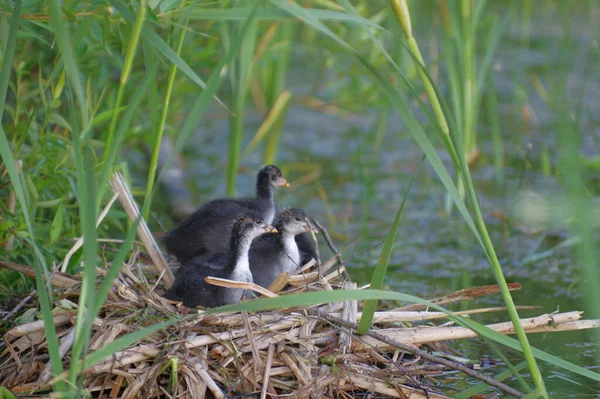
{"x": 160, "y": 127}
{"x": 201, "y": 13}
{"x": 269, "y": 124}
{"x": 114, "y": 268}
{"x": 163, "y": 48}
{"x": 87, "y": 297}
{"x": 63, "y": 38}
{"x": 112, "y": 140}
{"x": 382, "y": 263}
{"x": 41, "y": 269}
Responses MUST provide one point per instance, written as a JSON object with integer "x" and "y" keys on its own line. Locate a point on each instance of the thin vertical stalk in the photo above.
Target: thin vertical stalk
{"x": 501, "y": 280}
{"x": 468, "y": 62}
{"x": 403, "y": 16}
{"x": 110, "y": 153}
{"x": 161, "y": 126}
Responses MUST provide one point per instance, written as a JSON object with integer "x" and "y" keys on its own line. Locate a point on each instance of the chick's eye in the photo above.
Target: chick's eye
{"x": 298, "y": 218}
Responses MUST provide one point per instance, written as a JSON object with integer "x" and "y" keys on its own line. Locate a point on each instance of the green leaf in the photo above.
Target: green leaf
{"x": 6, "y": 394}
{"x": 60, "y": 121}
{"x": 57, "y": 223}
{"x": 270, "y": 14}
{"x": 382, "y": 263}
{"x": 152, "y": 37}
{"x": 49, "y": 203}
{"x": 105, "y": 116}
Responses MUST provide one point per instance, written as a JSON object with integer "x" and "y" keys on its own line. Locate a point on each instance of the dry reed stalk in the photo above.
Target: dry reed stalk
{"x": 223, "y": 282}
{"x": 349, "y": 313}
{"x": 217, "y": 352}
{"x": 391, "y": 316}
{"x": 208, "y": 381}
{"x": 279, "y": 283}
{"x": 37, "y": 326}
{"x": 79, "y": 241}
{"x": 464, "y": 295}
{"x": 65, "y": 344}
{"x": 57, "y": 279}
{"x": 417, "y": 336}
{"x": 266, "y": 377}
{"x": 117, "y": 183}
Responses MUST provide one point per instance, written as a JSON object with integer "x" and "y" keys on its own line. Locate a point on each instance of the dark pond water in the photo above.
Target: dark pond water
{"x": 436, "y": 254}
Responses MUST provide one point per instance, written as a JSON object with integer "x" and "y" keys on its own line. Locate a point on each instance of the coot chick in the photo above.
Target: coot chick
{"x": 189, "y": 285}
{"x": 207, "y": 231}
{"x": 273, "y": 254}
{"x": 305, "y": 245}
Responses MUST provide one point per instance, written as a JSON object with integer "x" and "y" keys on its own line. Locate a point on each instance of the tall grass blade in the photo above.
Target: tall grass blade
{"x": 87, "y": 297}
{"x": 60, "y": 27}
{"x": 402, "y": 14}
{"x": 384, "y": 258}
{"x": 160, "y": 127}
{"x": 112, "y": 141}
{"x": 41, "y": 270}
{"x": 152, "y": 37}
{"x": 578, "y": 203}
{"x": 268, "y": 14}
{"x": 270, "y": 123}
{"x": 492, "y": 110}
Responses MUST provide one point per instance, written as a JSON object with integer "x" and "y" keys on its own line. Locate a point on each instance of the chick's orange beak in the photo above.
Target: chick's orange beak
{"x": 270, "y": 229}
{"x": 284, "y": 183}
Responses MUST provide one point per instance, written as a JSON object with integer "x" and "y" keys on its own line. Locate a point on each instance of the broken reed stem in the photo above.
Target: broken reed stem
{"x": 425, "y": 355}
{"x": 57, "y": 279}
{"x": 79, "y": 241}
{"x": 419, "y": 336}
{"x": 266, "y": 381}
{"x": 467, "y": 294}
{"x": 117, "y": 183}
{"x": 223, "y": 282}
{"x": 332, "y": 246}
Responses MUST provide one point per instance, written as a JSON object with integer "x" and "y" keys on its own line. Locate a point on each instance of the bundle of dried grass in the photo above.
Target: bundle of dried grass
{"x": 304, "y": 352}
{"x": 296, "y": 352}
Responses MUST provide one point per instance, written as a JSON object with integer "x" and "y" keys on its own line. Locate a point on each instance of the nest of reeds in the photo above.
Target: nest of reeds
{"x": 299, "y": 352}
{"x": 302, "y": 352}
